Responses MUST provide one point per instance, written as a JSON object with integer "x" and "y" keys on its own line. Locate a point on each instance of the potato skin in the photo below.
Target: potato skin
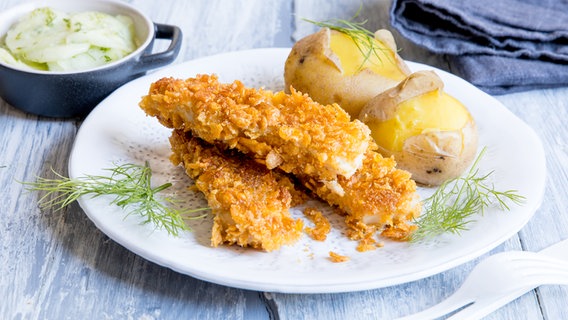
{"x": 437, "y": 156}
{"x": 313, "y": 68}
{"x": 384, "y": 106}
{"x": 431, "y": 157}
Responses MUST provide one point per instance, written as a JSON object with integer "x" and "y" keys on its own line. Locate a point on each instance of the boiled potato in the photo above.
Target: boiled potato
{"x": 330, "y": 67}
{"x": 429, "y": 133}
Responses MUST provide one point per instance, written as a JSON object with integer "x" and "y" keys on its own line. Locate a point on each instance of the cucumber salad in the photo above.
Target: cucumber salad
{"x": 50, "y": 40}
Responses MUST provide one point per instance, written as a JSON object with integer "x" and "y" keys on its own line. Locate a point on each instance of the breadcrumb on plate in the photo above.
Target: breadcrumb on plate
{"x": 322, "y": 226}
{"x": 336, "y": 258}
{"x": 367, "y": 244}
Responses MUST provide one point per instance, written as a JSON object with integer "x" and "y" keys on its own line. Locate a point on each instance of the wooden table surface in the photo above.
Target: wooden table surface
{"x": 58, "y": 265}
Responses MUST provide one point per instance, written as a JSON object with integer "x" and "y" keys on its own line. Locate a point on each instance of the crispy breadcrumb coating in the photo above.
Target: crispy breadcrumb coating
{"x": 288, "y": 131}
{"x": 250, "y": 203}
{"x": 377, "y": 198}
{"x": 332, "y": 156}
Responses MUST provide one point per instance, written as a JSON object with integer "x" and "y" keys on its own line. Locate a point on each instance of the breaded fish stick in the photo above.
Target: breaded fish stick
{"x": 250, "y": 203}
{"x": 332, "y": 156}
{"x": 288, "y": 131}
{"x": 378, "y": 197}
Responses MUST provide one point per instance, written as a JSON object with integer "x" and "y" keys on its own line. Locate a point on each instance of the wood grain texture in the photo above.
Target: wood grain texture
{"x": 58, "y": 265}
{"x": 216, "y": 26}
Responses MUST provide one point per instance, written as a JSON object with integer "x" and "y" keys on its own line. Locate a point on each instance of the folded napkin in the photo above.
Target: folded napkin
{"x": 501, "y": 46}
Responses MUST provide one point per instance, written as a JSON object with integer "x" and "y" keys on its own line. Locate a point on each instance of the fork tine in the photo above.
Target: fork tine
{"x": 531, "y": 270}
{"x": 463, "y": 296}
{"x": 481, "y": 309}
{"x": 555, "y": 275}
{"x": 532, "y": 257}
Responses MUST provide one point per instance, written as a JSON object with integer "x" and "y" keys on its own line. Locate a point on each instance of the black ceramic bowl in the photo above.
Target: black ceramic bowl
{"x": 75, "y": 94}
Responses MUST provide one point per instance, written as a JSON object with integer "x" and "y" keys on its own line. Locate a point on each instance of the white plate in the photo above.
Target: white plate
{"x": 118, "y": 130}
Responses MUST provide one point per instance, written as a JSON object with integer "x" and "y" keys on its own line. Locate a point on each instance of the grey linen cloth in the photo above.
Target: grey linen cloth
{"x": 501, "y": 46}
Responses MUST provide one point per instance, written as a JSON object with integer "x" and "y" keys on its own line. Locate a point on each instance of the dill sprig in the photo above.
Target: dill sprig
{"x": 131, "y": 186}
{"x": 363, "y": 38}
{"x": 452, "y": 207}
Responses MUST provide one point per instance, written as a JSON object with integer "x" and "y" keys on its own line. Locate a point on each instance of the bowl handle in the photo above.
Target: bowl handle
{"x": 156, "y": 60}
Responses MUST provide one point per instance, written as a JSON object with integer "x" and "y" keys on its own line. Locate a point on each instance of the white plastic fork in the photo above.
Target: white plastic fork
{"x": 500, "y": 279}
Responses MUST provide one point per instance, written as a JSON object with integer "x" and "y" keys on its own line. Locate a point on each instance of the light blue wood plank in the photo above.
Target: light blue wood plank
{"x": 58, "y": 265}
{"x": 536, "y": 108}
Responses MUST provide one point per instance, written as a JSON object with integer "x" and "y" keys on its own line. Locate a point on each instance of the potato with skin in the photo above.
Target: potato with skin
{"x": 330, "y": 67}
{"x": 429, "y": 133}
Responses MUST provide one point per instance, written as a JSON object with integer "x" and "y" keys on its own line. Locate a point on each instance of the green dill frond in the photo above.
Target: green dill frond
{"x": 130, "y": 184}
{"x": 363, "y": 38}
{"x": 452, "y": 207}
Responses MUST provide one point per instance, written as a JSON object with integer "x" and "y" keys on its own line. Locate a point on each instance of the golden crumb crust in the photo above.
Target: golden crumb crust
{"x": 288, "y": 131}
{"x": 250, "y": 203}
{"x": 378, "y": 197}
{"x": 333, "y": 157}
